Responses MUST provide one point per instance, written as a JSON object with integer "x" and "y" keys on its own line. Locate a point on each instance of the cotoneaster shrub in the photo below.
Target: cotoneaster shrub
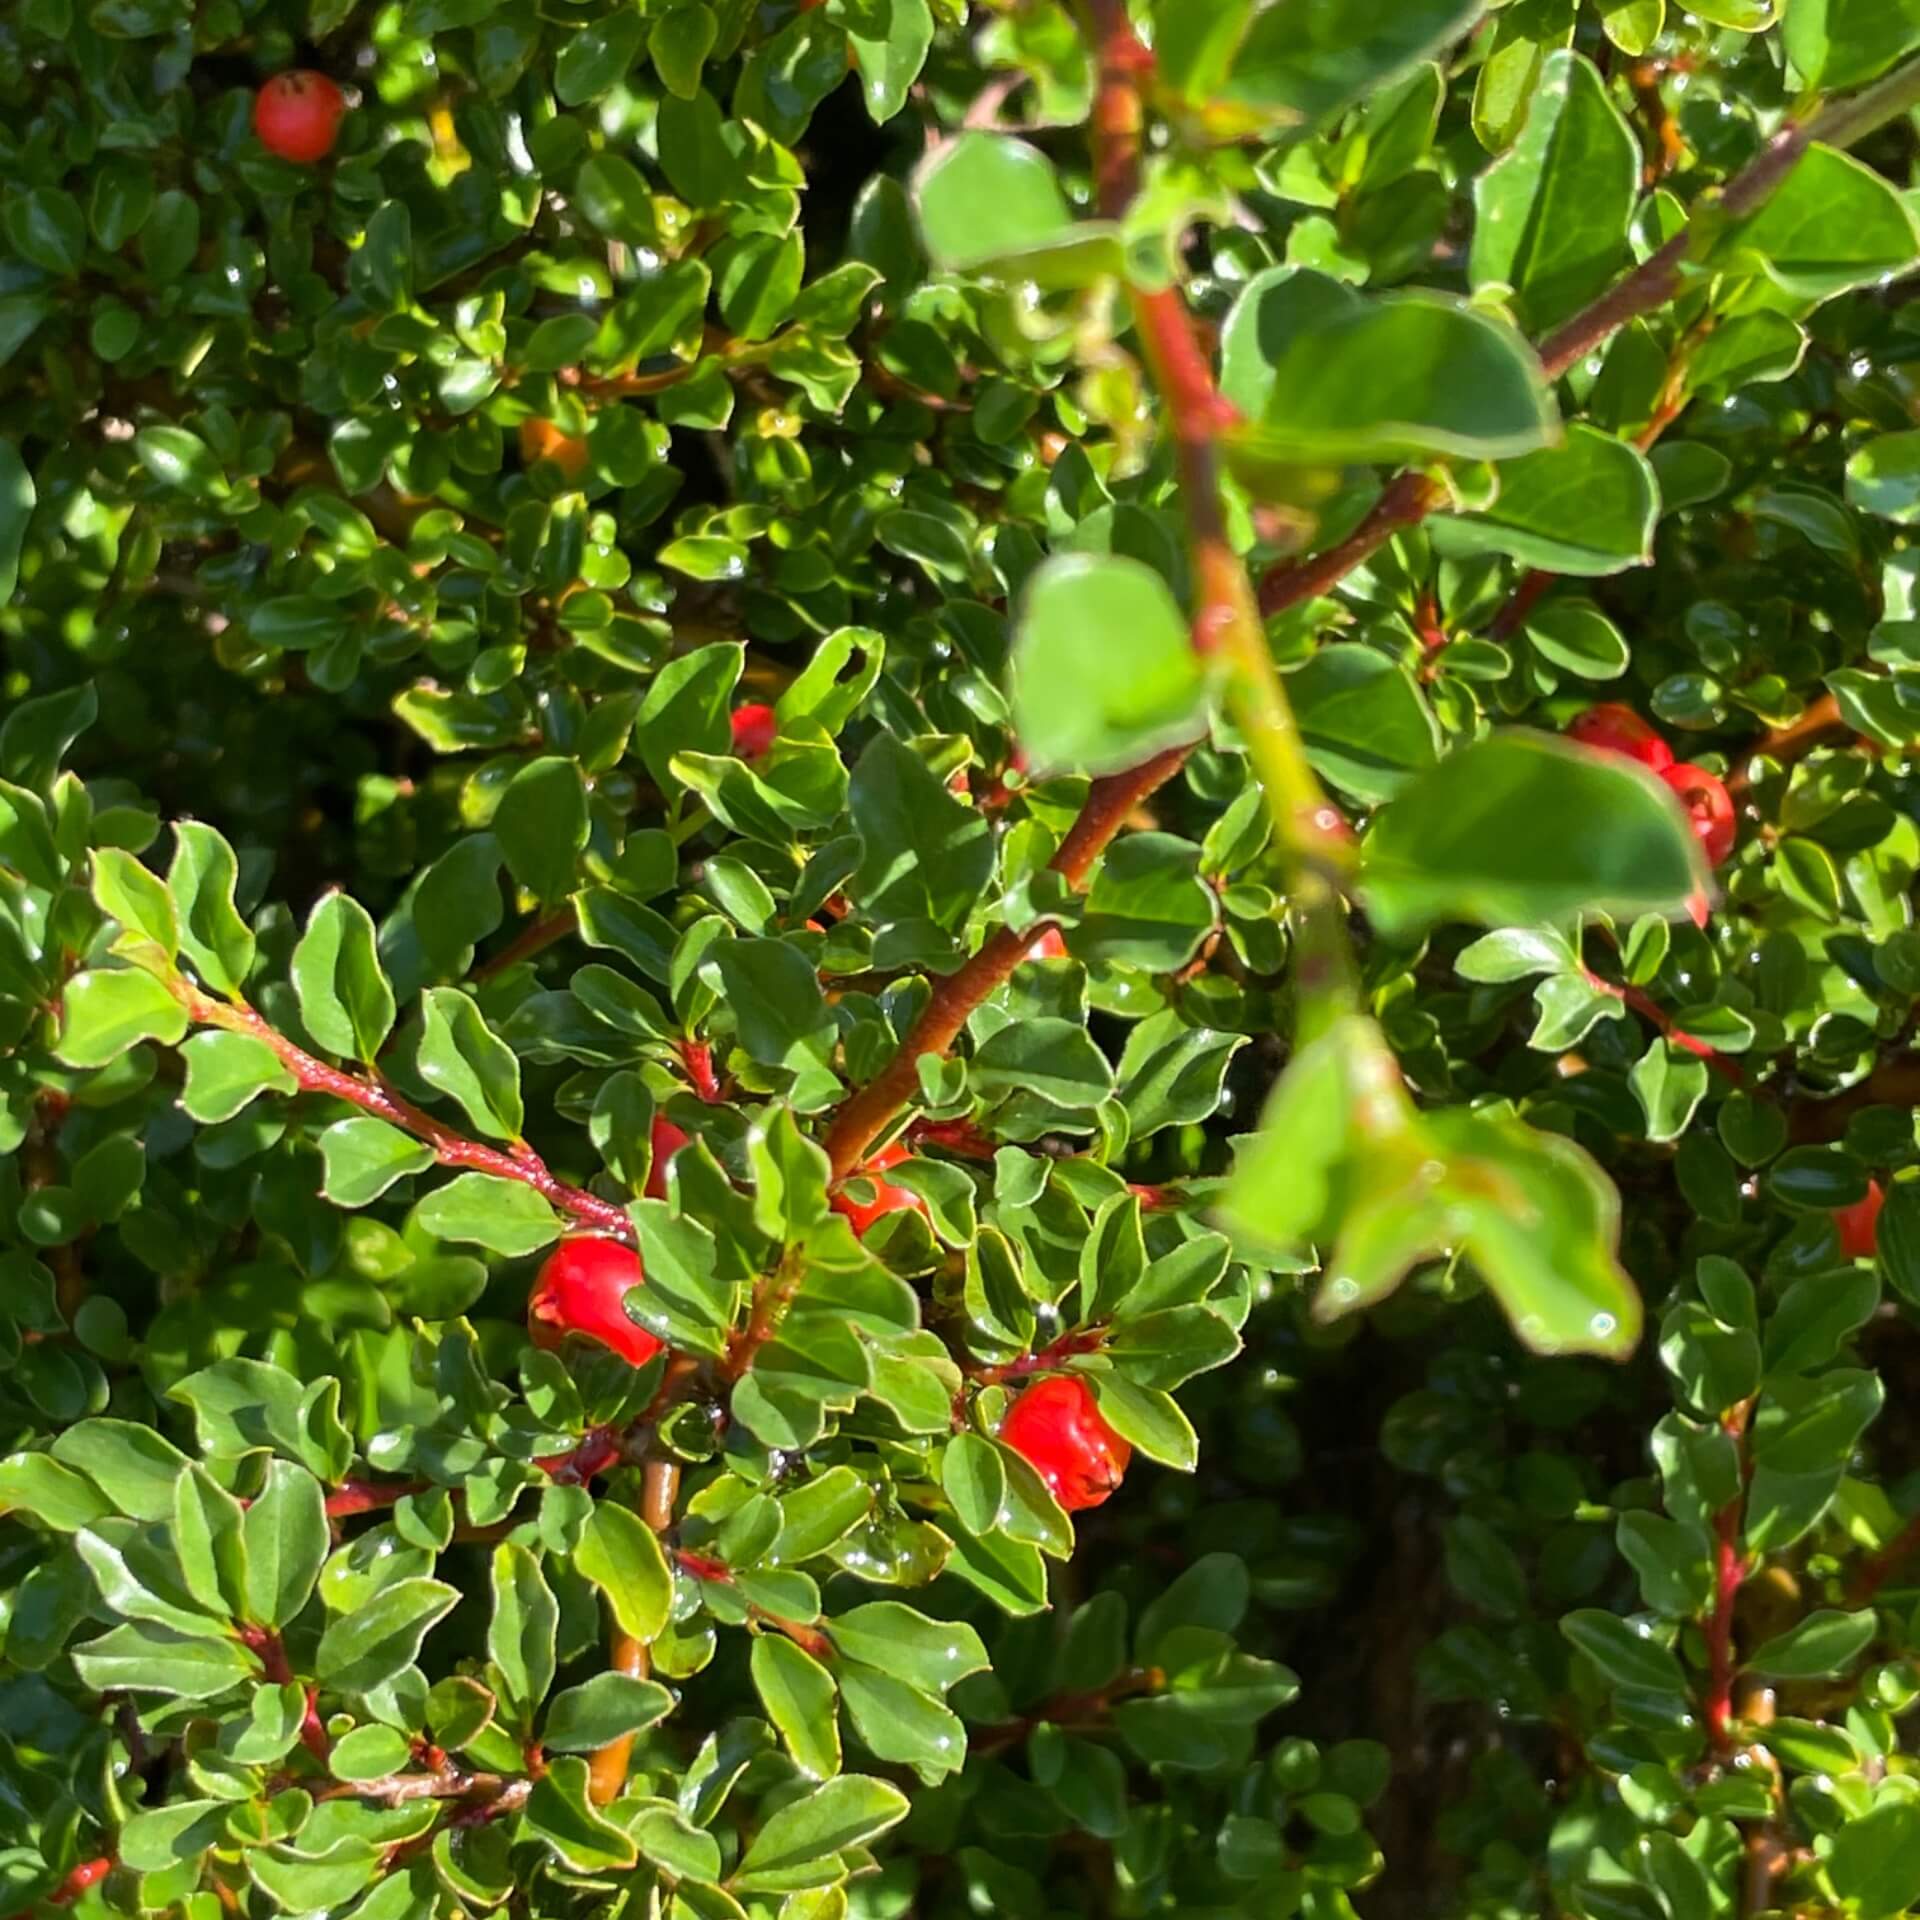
{"x": 1163, "y": 752}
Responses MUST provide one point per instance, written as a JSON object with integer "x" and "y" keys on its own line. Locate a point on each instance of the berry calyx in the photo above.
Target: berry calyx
{"x": 667, "y": 1141}
{"x": 1613, "y": 727}
{"x": 1057, "y": 1427}
{"x": 297, "y": 115}
{"x": 542, "y": 440}
{"x": 887, "y": 1198}
{"x": 1709, "y": 806}
{"x": 580, "y": 1290}
{"x": 1859, "y": 1224}
{"x": 754, "y": 729}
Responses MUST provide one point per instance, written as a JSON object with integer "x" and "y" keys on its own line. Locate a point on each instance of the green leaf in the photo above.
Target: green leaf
{"x": 364, "y": 1157}
{"x": 144, "y": 1658}
{"x": 686, "y": 708}
{"x": 1883, "y": 477}
{"x": 1831, "y": 225}
{"x": 56, "y": 1496}
{"x": 541, "y": 826}
{"x": 1837, "y": 44}
{"x": 522, "y": 1635}
{"x": 225, "y": 1071}
{"x": 209, "y": 1541}
{"x": 800, "y": 1698}
{"x": 973, "y": 1478}
{"x": 1366, "y": 725}
{"x": 607, "y": 1707}
{"x": 105, "y": 1013}
{"x": 461, "y": 1056}
{"x": 1104, "y": 670}
{"x": 989, "y": 203}
{"x": 137, "y": 898}
{"x": 1585, "y": 507}
{"x": 1522, "y": 828}
{"x": 1323, "y": 373}
{"x": 1825, "y": 1642}
{"x": 924, "y": 855}
{"x": 890, "y": 40}
{"x": 201, "y": 879}
{"x": 364, "y": 1649}
{"x": 1301, "y": 65}
{"x": 1148, "y": 1419}
{"x": 1875, "y": 1862}
{"x": 287, "y": 1541}
{"x": 1055, "y": 1060}
{"x": 846, "y": 1812}
{"x": 1625, "y": 1653}
{"x": 1148, "y": 906}
{"x": 621, "y": 1555}
{"x": 1550, "y": 216}
{"x": 132, "y": 1465}
{"x": 781, "y": 1014}
{"x": 16, "y": 509}
{"x": 929, "y": 1654}
{"x": 26, "y": 838}
{"x": 346, "y": 1003}
{"x": 558, "y": 1812}
{"x": 482, "y": 1209}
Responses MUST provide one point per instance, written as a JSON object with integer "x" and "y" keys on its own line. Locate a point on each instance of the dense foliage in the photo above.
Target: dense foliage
{"x": 958, "y": 958}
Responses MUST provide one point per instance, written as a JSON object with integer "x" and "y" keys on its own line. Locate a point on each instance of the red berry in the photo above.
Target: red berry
{"x": 754, "y": 728}
{"x": 580, "y": 1290}
{"x": 1057, "y": 1427}
{"x": 1614, "y": 728}
{"x": 667, "y": 1141}
{"x": 887, "y": 1198}
{"x": 1859, "y": 1224}
{"x": 1709, "y": 806}
{"x": 1050, "y": 946}
{"x": 297, "y": 115}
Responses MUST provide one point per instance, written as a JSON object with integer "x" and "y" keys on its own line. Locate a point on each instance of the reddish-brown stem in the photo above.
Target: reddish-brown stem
{"x": 364, "y": 1496}
{"x": 1406, "y": 502}
{"x": 1819, "y": 724}
{"x": 1110, "y": 803}
{"x": 534, "y": 938}
{"x": 375, "y": 1096}
{"x": 697, "y": 1057}
{"x": 1087, "y": 1340}
{"x": 264, "y": 1642}
{"x": 607, "y": 1770}
{"x": 1521, "y": 602}
{"x": 1730, "y": 1567}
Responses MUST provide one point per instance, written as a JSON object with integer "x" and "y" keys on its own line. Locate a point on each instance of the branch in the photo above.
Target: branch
{"x": 535, "y": 937}
{"x": 1650, "y": 286}
{"x": 1730, "y": 1568}
{"x": 1110, "y": 802}
{"x": 373, "y": 1095}
{"x": 1820, "y": 723}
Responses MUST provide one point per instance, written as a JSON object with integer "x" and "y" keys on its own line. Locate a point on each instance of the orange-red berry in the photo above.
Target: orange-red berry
{"x": 297, "y": 115}
{"x": 1859, "y": 1224}
{"x": 667, "y": 1141}
{"x": 542, "y": 440}
{"x": 887, "y": 1198}
{"x": 755, "y": 727}
{"x": 88, "y": 1873}
{"x": 1614, "y": 728}
{"x": 1709, "y": 806}
{"x": 1058, "y": 1428}
{"x": 580, "y": 1290}
{"x": 1050, "y": 946}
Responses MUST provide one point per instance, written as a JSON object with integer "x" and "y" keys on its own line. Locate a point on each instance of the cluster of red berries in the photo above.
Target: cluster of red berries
{"x": 583, "y": 1285}
{"x": 1613, "y": 728}
{"x": 297, "y": 115}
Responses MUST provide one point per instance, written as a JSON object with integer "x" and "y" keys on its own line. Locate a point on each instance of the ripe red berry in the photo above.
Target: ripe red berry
{"x": 297, "y": 115}
{"x": 1614, "y": 728}
{"x": 754, "y": 728}
{"x": 1057, "y": 1427}
{"x": 1709, "y": 806}
{"x": 1859, "y": 1224}
{"x": 887, "y": 1198}
{"x": 580, "y": 1290}
{"x": 667, "y": 1141}
{"x": 1050, "y": 946}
